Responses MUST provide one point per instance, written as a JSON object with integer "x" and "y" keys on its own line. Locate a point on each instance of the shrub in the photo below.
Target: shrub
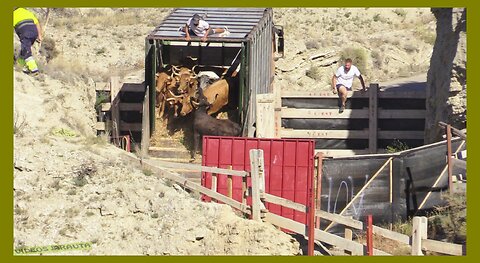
{"x": 358, "y": 55}
{"x": 376, "y": 17}
{"x": 377, "y": 59}
{"x": 313, "y": 72}
{"x": 409, "y": 48}
{"x": 48, "y": 49}
{"x": 400, "y": 12}
{"x": 19, "y": 124}
{"x": 312, "y": 44}
{"x": 397, "y": 146}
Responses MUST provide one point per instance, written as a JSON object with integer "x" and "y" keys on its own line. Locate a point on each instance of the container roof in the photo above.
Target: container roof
{"x": 240, "y": 23}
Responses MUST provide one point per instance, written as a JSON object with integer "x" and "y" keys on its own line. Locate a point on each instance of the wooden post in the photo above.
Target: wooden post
{"x": 255, "y": 173}
{"x": 214, "y": 182}
{"x": 145, "y": 124}
{"x": 419, "y": 232}
{"x": 229, "y": 186}
{"x": 277, "y": 111}
{"x": 372, "y": 116}
{"x": 265, "y": 116}
{"x": 348, "y": 236}
{"x": 244, "y": 190}
{"x": 449, "y": 158}
{"x": 369, "y": 235}
{"x": 115, "y": 111}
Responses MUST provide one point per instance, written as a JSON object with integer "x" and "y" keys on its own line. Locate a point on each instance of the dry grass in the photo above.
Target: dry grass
{"x": 19, "y": 124}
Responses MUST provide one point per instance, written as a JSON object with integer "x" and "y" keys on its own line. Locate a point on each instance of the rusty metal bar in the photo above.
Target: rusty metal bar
{"x": 369, "y": 235}
{"x": 449, "y": 157}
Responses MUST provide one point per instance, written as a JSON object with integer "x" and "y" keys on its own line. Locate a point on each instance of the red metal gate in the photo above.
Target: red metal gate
{"x": 288, "y": 168}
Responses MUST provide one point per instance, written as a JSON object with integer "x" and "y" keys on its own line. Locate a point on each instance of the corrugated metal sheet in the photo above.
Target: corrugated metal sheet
{"x": 288, "y": 168}
{"x": 240, "y": 22}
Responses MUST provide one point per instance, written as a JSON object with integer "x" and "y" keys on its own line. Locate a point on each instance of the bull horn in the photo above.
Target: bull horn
{"x": 173, "y": 94}
{"x": 195, "y": 103}
{"x": 175, "y": 70}
{"x": 170, "y": 99}
{"x": 193, "y": 71}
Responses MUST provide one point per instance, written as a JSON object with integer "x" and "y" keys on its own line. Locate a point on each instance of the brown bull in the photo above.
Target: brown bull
{"x": 165, "y": 87}
{"x": 184, "y": 77}
{"x": 217, "y": 95}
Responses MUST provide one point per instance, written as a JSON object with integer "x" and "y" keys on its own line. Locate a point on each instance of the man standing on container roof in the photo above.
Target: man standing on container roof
{"x": 197, "y": 26}
{"x": 342, "y": 81}
{"x": 28, "y": 30}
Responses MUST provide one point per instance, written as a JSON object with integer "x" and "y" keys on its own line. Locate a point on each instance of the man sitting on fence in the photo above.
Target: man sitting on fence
{"x": 197, "y": 26}
{"x": 342, "y": 81}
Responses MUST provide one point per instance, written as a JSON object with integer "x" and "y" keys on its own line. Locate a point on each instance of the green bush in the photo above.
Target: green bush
{"x": 358, "y": 55}
{"x": 397, "y": 146}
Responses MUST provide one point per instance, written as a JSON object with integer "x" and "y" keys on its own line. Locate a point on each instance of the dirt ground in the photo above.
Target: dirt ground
{"x": 70, "y": 186}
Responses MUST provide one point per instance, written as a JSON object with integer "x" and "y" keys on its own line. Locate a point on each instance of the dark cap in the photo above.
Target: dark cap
{"x": 196, "y": 19}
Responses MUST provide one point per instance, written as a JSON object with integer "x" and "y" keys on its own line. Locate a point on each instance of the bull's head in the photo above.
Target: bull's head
{"x": 185, "y": 77}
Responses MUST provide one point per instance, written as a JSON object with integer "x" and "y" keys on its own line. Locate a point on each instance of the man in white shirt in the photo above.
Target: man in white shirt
{"x": 342, "y": 81}
{"x": 199, "y": 27}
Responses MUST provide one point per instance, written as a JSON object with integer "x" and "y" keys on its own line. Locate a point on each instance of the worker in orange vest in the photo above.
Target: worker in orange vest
{"x": 28, "y": 30}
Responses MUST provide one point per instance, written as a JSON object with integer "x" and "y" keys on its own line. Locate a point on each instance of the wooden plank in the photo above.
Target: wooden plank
{"x": 391, "y": 235}
{"x": 265, "y": 116}
{"x": 145, "y": 143}
{"x": 100, "y": 126}
{"x": 300, "y": 228}
{"x": 383, "y": 94}
{"x": 320, "y": 94}
{"x": 102, "y": 86}
{"x": 106, "y": 106}
{"x": 326, "y": 134}
{"x": 319, "y": 213}
{"x": 124, "y": 106}
{"x": 400, "y": 134}
{"x": 133, "y": 87}
{"x": 443, "y": 247}
{"x": 373, "y": 118}
{"x": 285, "y": 202}
{"x": 125, "y": 126}
{"x": 293, "y": 113}
{"x": 396, "y": 94}
{"x": 196, "y": 167}
{"x": 401, "y": 114}
{"x": 190, "y": 185}
{"x": 339, "y": 219}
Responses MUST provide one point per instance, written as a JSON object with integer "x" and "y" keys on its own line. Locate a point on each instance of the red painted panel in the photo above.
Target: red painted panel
{"x": 288, "y": 168}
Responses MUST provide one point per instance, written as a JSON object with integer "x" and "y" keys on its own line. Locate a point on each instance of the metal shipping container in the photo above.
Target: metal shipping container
{"x": 249, "y": 46}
